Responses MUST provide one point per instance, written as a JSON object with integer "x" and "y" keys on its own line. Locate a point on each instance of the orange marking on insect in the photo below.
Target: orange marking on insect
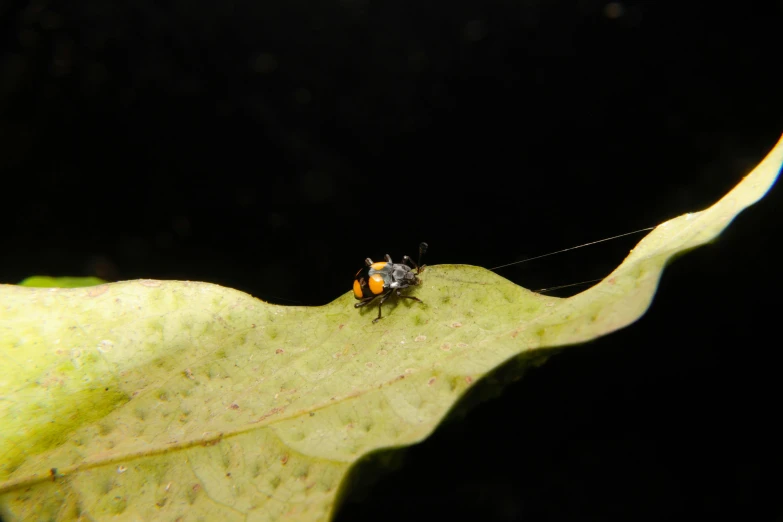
{"x": 378, "y": 265}
{"x": 357, "y": 289}
{"x": 376, "y": 284}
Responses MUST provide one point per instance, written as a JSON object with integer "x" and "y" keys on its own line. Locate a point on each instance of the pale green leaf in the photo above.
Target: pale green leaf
{"x": 150, "y": 400}
{"x": 60, "y": 282}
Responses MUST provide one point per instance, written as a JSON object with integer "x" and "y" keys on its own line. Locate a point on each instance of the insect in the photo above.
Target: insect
{"x": 382, "y": 278}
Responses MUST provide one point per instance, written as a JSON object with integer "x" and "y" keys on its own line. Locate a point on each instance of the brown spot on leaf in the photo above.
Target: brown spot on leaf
{"x": 273, "y": 411}
{"x": 284, "y": 459}
{"x": 95, "y": 291}
{"x": 279, "y": 351}
{"x": 213, "y": 441}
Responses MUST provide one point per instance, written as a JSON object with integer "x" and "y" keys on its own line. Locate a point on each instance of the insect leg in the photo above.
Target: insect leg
{"x": 383, "y": 298}
{"x": 408, "y": 261}
{"x": 408, "y": 296}
{"x": 365, "y": 301}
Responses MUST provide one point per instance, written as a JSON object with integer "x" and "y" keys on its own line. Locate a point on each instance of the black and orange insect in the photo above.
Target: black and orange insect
{"x": 382, "y": 278}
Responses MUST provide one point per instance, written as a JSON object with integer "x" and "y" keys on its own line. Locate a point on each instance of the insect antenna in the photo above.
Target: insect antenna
{"x": 573, "y": 248}
{"x": 542, "y": 290}
{"x": 422, "y": 250}
{"x": 551, "y": 288}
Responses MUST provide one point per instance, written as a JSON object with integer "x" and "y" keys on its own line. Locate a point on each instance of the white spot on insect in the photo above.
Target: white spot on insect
{"x": 105, "y": 346}
{"x": 121, "y": 469}
{"x": 420, "y": 338}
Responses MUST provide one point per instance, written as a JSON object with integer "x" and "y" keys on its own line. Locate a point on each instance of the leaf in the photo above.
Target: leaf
{"x": 60, "y": 282}
{"x": 165, "y": 399}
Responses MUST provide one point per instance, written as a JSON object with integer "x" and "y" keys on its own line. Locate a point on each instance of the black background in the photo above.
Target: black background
{"x": 272, "y": 146}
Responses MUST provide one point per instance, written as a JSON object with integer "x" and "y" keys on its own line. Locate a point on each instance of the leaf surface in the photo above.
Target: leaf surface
{"x": 164, "y": 399}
